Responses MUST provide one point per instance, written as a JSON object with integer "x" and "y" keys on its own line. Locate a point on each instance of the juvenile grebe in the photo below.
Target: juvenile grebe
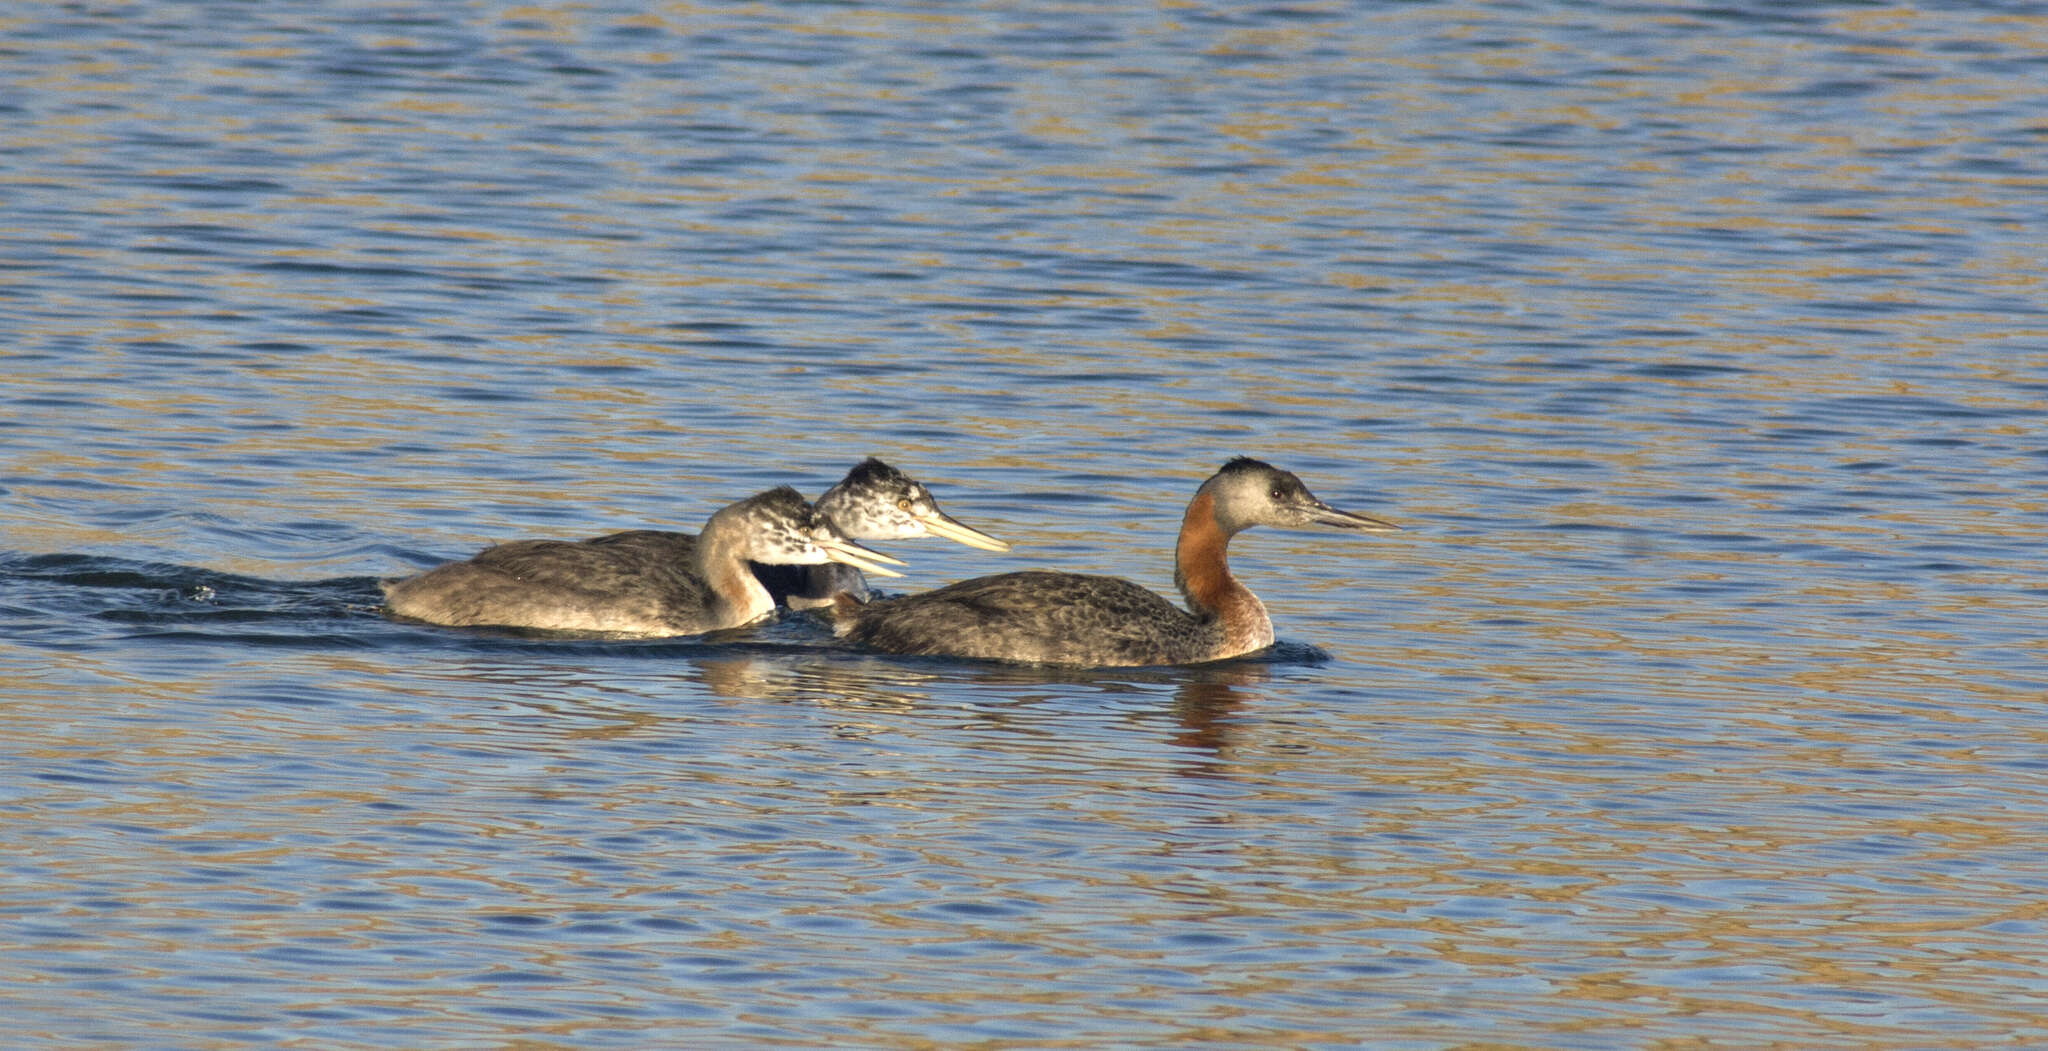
{"x": 1066, "y": 618}
{"x": 873, "y": 502}
{"x": 629, "y": 583}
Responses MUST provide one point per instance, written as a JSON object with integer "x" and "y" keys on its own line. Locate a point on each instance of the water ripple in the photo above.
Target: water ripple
{"x": 1696, "y": 349}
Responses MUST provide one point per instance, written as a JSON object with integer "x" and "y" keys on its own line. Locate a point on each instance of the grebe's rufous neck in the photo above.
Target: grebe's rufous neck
{"x": 1066, "y": 618}
{"x": 631, "y": 583}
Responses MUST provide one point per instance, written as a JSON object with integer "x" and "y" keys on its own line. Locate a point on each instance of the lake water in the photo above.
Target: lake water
{"x": 1700, "y": 350}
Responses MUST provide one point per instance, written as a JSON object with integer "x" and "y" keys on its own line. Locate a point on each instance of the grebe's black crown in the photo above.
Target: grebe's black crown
{"x": 874, "y": 472}
{"x": 784, "y": 500}
{"x": 1243, "y": 476}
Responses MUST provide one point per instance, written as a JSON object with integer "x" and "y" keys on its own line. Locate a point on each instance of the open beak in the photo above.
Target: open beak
{"x": 846, "y": 552}
{"x": 939, "y": 523}
{"x": 1324, "y": 514}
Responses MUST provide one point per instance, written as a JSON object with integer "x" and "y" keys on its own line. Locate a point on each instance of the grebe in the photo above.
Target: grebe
{"x": 631, "y": 583}
{"x": 1065, "y": 618}
{"x": 873, "y": 502}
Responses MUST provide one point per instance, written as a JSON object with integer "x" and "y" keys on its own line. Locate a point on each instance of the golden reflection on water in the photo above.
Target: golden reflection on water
{"x": 1734, "y": 885}
{"x": 1654, "y": 705}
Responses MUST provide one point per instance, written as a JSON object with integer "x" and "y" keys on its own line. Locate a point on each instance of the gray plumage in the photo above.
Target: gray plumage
{"x": 644, "y": 582}
{"x": 1036, "y": 616}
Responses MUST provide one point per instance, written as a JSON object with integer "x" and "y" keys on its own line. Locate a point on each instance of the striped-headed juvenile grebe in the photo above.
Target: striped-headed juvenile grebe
{"x": 873, "y": 502}
{"x": 631, "y": 583}
{"x": 1066, "y": 618}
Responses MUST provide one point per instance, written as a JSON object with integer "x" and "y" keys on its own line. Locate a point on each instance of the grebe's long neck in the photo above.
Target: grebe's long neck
{"x": 1201, "y": 568}
{"x": 737, "y": 596}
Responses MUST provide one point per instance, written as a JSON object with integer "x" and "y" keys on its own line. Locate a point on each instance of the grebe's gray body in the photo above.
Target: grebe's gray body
{"x": 636, "y": 583}
{"x": 1066, "y": 618}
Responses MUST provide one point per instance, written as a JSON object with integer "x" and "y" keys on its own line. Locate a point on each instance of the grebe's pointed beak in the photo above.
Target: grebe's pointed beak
{"x": 939, "y": 523}
{"x": 1323, "y": 514}
{"x": 846, "y": 552}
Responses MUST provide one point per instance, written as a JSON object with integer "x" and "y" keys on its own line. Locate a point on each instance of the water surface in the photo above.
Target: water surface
{"x": 1699, "y": 349}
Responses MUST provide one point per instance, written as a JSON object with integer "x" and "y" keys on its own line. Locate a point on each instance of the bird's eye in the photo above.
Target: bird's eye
{"x": 903, "y": 504}
{"x": 1279, "y": 492}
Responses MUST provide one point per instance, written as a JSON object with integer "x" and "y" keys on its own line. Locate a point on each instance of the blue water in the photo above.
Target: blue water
{"x": 1700, "y": 350}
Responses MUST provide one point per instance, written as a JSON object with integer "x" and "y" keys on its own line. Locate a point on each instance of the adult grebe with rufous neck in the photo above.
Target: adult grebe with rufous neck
{"x": 1065, "y": 618}
{"x": 629, "y": 583}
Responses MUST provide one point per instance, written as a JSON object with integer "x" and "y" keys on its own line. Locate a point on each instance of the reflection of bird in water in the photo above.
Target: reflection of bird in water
{"x": 1067, "y": 618}
{"x": 1206, "y": 709}
{"x": 873, "y": 502}
{"x": 634, "y": 583}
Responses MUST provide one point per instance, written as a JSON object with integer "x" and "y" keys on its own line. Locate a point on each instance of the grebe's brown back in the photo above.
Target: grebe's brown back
{"x": 630, "y": 583}
{"x": 1066, "y": 618}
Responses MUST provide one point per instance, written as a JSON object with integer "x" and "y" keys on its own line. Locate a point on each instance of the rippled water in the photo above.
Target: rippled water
{"x": 1700, "y": 349}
